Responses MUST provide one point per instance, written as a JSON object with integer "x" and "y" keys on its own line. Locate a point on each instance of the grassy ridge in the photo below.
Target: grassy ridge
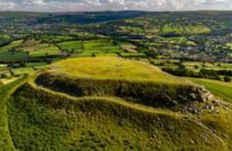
{"x": 5, "y": 92}
{"x": 143, "y": 92}
{"x": 51, "y": 121}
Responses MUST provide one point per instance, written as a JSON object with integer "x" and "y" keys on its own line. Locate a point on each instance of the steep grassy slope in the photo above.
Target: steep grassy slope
{"x": 106, "y": 104}
{"x": 45, "y": 120}
{"x": 5, "y": 92}
{"x": 220, "y": 123}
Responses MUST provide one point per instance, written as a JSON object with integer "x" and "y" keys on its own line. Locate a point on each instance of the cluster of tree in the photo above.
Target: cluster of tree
{"x": 204, "y": 73}
{"x": 216, "y": 74}
{"x": 181, "y": 72}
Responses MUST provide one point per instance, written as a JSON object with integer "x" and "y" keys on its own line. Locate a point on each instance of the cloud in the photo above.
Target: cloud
{"x": 91, "y": 5}
{"x": 7, "y": 5}
{"x": 34, "y": 3}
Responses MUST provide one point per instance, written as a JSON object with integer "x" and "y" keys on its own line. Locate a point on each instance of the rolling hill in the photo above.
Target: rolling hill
{"x": 109, "y": 103}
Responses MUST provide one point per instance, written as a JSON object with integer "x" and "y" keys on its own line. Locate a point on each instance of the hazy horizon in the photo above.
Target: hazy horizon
{"x": 114, "y": 5}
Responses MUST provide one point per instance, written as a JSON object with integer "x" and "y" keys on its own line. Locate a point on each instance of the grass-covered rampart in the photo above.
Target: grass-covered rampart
{"x": 154, "y": 94}
{"x": 45, "y": 120}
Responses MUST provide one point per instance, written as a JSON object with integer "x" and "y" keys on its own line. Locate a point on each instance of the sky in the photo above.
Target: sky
{"x": 100, "y": 5}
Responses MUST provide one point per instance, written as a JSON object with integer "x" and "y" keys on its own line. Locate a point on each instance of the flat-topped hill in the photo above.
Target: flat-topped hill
{"x": 110, "y": 76}
{"x": 113, "y": 68}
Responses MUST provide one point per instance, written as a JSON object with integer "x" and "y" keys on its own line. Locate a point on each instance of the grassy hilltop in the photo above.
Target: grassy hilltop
{"x": 109, "y": 111}
{"x": 112, "y": 68}
{"x": 136, "y": 81}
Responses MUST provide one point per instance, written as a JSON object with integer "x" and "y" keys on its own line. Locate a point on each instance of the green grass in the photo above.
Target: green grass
{"x": 32, "y": 44}
{"x": 113, "y": 68}
{"x": 188, "y": 29}
{"x": 47, "y": 120}
{"x": 6, "y": 56}
{"x": 111, "y": 76}
{"x": 71, "y": 45}
{"x": 221, "y": 124}
{"x": 24, "y": 70}
{"x": 99, "y": 110}
{"x": 6, "y": 143}
{"x": 220, "y": 89}
{"x": 54, "y": 38}
{"x": 36, "y": 64}
{"x": 229, "y": 45}
{"x": 13, "y": 44}
{"x": 30, "y": 68}
{"x": 131, "y": 30}
{"x": 179, "y": 41}
{"x": 45, "y": 51}
{"x": 131, "y": 54}
{"x": 90, "y": 47}
{"x": 99, "y": 47}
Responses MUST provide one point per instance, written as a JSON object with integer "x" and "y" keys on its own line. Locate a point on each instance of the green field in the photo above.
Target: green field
{"x": 99, "y": 47}
{"x": 53, "y": 38}
{"x": 90, "y": 47}
{"x": 71, "y": 45}
{"x": 36, "y": 48}
{"x": 21, "y": 71}
{"x": 7, "y": 55}
{"x": 13, "y": 44}
{"x": 197, "y": 29}
{"x": 45, "y": 51}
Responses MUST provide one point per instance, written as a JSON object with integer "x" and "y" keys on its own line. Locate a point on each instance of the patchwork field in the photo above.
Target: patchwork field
{"x": 7, "y": 53}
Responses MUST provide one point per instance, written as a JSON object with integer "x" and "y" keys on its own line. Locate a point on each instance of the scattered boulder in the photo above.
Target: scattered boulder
{"x": 216, "y": 102}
